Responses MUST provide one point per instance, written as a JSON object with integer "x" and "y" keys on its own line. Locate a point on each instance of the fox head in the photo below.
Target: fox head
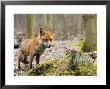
{"x": 46, "y": 37}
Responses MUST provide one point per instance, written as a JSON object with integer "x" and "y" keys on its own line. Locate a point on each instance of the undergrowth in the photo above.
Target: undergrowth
{"x": 62, "y": 68}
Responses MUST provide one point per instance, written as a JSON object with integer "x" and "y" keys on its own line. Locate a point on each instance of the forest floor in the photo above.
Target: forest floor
{"x": 55, "y": 52}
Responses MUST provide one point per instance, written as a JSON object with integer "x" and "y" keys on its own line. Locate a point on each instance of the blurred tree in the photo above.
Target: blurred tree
{"x": 65, "y": 27}
{"x": 28, "y": 26}
{"x": 90, "y": 32}
{"x": 16, "y": 23}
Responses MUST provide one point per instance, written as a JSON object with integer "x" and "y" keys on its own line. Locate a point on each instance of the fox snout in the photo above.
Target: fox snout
{"x": 48, "y": 45}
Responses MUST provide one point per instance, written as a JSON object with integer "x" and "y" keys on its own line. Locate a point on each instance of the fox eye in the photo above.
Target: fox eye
{"x": 44, "y": 40}
{"x": 50, "y": 39}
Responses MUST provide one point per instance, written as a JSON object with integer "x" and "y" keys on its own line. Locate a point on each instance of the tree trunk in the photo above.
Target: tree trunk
{"x": 28, "y": 26}
{"x": 90, "y": 32}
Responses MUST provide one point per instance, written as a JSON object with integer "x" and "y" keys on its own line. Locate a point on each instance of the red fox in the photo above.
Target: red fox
{"x": 35, "y": 47}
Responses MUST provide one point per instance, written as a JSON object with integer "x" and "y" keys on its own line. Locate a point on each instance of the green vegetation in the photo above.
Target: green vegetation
{"x": 79, "y": 43}
{"x": 62, "y": 68}
{"x": 85, "y": 48}
{"x": 53, "y": 68}
{"x": 94, "y": 47}
{"x": 89, "y": 70}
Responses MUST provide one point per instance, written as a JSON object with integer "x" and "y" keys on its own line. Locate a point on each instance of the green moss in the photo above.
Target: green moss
{"x": 66, "y": 72}
{"x": 62, "y": 68}
{"x": 79, "y": 43}
{"x": 85, "y": 48}
{"x": 94, "y": 47}
{"x": 82, "y": 70}
{"x": 45, "y": 69}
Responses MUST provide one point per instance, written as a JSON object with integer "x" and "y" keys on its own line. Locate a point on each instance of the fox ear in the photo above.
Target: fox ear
{"x": 42, "y": 32}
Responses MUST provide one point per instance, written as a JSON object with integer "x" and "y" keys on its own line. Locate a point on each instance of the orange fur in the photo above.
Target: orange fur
{"x": 27, "y": 46}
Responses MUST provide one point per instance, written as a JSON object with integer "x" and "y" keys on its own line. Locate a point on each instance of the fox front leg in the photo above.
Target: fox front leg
{"x": 18, "y": 60}
{"x": 19, "y": 64}
{"x": 37, "y": 58}
{"x": 30, "y": 62}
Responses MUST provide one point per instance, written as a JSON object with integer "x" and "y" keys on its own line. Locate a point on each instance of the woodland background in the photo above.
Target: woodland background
{"x": 70, "y": 31}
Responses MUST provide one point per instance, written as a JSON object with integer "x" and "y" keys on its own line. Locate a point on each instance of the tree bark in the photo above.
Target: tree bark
{"x": 28, "y": 26}
{"x": 90, "y": 32}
